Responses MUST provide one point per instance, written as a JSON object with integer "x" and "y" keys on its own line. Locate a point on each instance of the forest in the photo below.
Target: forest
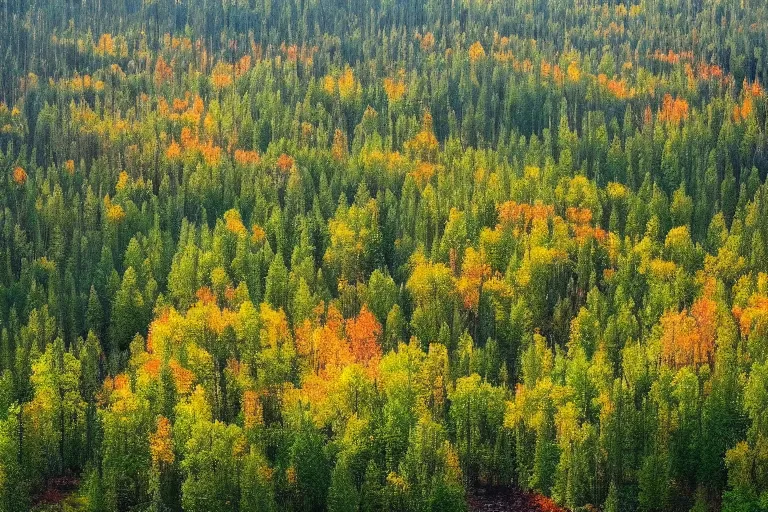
{"x": 382, "y": 255}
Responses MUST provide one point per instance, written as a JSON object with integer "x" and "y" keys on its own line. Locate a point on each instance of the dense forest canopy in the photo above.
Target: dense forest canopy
{"x": 310, "y": 255}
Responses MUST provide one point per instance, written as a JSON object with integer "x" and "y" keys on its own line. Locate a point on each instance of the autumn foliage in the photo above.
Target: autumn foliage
{"x": 384, "y": 255}
{"x": 688, "y": 337}
{"x": 19, "y": 176}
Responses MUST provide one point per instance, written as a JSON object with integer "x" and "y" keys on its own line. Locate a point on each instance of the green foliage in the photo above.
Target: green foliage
{"x": 371, "y": 254}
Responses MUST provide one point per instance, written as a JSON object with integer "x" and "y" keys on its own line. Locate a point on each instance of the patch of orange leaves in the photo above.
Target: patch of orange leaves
{"x": 688, "y": 337}
{"x": 182, "y": 377}
{"x": 673, "y": 110}
{"x": 19, "y": 175}
{"x": 247, "y": 157}
{"x": 522, "y": 215}
{"x": 363, "y": 333}
{"x": 161, "y": 443}
{"x": 285, "y": 163}
{"x": 163, "y": 71}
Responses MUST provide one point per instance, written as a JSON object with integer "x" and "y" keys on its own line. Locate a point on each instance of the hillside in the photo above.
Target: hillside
{"x": 326, "y": 255}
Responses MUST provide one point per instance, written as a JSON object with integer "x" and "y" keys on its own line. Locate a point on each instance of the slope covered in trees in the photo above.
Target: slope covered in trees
{"x": 368, "y": 255}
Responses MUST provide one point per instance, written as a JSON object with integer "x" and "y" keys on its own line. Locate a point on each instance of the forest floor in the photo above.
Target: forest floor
{"x": 505, "y": 499}
{"x": 60, "y": 495}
